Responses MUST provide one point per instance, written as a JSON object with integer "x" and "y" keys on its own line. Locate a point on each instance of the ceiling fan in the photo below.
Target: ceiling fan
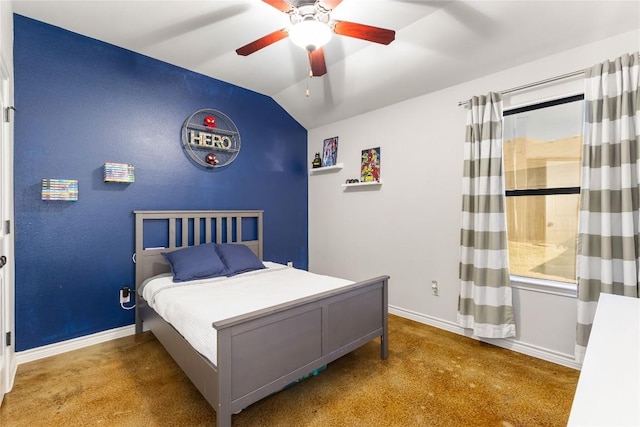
{"x": 312, "y": 27}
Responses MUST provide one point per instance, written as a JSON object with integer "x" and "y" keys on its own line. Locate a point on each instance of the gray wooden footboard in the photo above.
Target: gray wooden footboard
{"x": 261, "y": 352}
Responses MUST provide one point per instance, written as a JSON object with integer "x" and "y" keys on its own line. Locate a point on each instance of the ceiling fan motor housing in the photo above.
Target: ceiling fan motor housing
{"x": 310, "y": 26}
{"x": 307, "y": 12}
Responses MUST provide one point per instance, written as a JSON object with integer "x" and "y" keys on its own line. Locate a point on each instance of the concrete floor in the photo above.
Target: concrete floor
{"x": 432, "y": 378}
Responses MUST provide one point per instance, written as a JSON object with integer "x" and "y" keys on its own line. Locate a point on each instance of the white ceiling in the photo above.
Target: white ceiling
{"x": 438, "y": 43}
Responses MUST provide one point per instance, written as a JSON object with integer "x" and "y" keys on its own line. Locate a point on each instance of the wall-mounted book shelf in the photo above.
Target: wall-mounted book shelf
{"x": 60, "y": 189}
{"x": 118, "y": 172}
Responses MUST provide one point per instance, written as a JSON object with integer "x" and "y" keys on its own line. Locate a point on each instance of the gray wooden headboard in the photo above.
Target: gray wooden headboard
{"x": 190, "y": 228}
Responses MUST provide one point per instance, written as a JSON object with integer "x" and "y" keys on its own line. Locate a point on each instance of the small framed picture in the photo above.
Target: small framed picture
{"x": 330, "y": 152}
{"x": 370, "y": 165}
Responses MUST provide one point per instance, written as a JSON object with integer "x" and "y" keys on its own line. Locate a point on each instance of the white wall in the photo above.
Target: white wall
{"x": 409, "y": 227}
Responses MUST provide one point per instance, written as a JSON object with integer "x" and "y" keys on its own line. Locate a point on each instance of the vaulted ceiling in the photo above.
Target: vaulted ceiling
{"x": 437, "y": 43}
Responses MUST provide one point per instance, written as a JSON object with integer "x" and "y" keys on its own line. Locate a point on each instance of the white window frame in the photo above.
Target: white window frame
{"x": 553, "y": 287}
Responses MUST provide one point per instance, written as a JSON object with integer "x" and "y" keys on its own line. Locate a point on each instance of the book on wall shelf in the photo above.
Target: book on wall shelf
{"x": 118, "y": 172}
{"x": 60, "y": 189}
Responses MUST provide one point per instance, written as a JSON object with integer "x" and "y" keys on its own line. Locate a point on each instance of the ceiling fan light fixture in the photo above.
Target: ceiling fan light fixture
{"x": 310, "y": 34}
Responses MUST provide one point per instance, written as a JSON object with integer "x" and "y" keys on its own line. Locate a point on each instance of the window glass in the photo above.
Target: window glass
{"x": 542, "y": 158}
{"x": 542, "y": 233}
{"x": 542, "y": 147}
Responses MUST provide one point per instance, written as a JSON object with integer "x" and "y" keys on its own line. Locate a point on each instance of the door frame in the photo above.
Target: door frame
{"x": 7, "y": 287}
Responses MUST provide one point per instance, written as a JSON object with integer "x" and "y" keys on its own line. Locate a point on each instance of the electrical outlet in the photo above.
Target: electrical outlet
{"x": 125, "y": 295}
{"x": 434, "y": 287}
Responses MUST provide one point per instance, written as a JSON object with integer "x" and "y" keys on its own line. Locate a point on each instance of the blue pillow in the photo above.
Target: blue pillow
{"x": 238, "y": 258}
{"x": 195, "y": 262}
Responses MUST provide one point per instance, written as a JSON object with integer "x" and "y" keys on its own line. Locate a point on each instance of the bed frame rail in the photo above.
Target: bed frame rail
{"x": 297, "y": 338}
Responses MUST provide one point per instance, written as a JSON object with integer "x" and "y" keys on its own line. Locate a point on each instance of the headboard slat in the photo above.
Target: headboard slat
{"x": 196, "y": 231}
{"x": 172, "y": 233}
{"x": 207, "y": 228}
{"x": 185, "y": 232}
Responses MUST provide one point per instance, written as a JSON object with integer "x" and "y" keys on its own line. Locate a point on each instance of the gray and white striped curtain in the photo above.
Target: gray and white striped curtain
{"x": 485, "y": 303}
{"x": 608, "y": 237}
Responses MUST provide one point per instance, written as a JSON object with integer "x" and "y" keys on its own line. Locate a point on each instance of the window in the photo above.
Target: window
{"x": 542, "y": 158}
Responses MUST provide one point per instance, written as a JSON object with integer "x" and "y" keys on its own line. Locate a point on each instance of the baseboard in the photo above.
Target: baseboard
{"x": 100, "y": 337}
{"x": 74, "y": 344}
{"x": 510, "y": 344}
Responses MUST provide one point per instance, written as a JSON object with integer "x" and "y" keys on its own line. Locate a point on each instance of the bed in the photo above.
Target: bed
{"x": 292, "y": 338}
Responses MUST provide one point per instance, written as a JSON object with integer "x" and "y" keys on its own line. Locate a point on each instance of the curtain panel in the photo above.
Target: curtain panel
{"x": 485, "y": 302}
{"x": 608, "y": 238}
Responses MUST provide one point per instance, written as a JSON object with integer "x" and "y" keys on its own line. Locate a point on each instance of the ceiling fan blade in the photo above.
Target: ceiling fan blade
{"x": 330, "y": 4}
{"x": 281, "y": 5}
{"x": 317, "y": 63}
{"x": 364, "y": 32}
{"x": 262, "y": 42}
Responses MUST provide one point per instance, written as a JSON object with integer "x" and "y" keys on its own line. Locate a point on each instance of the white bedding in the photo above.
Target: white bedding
{"x": 192, "y": 307}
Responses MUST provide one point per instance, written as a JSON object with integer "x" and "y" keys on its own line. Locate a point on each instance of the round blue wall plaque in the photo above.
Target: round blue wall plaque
{"x": 210, "y": 138}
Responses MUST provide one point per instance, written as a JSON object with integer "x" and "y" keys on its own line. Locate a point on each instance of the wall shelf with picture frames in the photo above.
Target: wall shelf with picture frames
{"x": 369, "y": 171}
{"x": 363, "y": 184}
{"x": 325, "y": 169}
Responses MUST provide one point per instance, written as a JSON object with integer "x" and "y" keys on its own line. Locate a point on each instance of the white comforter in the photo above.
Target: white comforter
{"x": 192, "y": 307}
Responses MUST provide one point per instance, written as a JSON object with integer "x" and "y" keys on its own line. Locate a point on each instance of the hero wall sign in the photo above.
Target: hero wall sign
{"x": 210, "y": 138}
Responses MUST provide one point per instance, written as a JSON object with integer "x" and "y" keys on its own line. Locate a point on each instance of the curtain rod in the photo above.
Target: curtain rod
{"x": 534, "y": 84}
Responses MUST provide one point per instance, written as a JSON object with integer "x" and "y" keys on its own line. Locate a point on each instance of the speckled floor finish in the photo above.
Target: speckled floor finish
{"x": 432, "y": 378}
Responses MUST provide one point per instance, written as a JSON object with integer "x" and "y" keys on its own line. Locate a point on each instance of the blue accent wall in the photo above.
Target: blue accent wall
{"x": 80, "y": 103}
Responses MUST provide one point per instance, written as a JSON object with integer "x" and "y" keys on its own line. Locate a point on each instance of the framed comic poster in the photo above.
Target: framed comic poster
{"x": 330, "y": 152}
{"x": 370, "y": 165}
